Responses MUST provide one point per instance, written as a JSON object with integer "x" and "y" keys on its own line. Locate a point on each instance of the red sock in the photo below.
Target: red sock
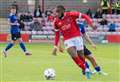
{"x": 82, "y": 58}
{"x": 79, "y": 62}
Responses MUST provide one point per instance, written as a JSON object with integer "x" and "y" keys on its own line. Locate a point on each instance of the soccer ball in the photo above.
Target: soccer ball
{"x": 49, "y": 74}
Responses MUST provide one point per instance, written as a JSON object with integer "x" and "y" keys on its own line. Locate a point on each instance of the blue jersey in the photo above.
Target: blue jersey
{"x": 82, "y": 27}
{"x": 14, "y": 28}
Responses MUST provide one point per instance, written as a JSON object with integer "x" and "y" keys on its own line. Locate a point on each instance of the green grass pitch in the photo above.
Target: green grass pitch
{"x": 19, "y": 68}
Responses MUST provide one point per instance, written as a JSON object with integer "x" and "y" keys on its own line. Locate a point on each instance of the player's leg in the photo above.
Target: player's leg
{"x": 22, "y": 45}
{"x": 93, "y": 61}
{"x": 9, "y": 45}
{"x": 78, "y": 57}
{"x": 71, "y": 49}
{"x": 61, "y": 49}
{"x": 86, "y": 63}
{"x": 95, "y": 65}
{"x": 87, "y": 70}
{"x": 80, "y": 52}
{"x": 90, "y": 57}
{"x": 72, "y": 52}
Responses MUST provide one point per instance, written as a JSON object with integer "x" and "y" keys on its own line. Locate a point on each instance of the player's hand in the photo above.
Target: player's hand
{"x": 94, "y": 27}
{"x": 94, "y": 46}
{"x": 54, "y": 52}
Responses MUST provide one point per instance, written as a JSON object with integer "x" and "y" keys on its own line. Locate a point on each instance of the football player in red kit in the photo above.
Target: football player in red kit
{"x": 65, "y": 23}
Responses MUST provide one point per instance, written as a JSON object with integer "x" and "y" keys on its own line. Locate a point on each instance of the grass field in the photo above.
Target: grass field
{"x": 17, "y": 67}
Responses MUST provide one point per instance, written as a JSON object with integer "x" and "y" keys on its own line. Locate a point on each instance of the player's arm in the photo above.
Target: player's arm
{"x": 84, "y": 16}
{"x": 57, "y": 37}
{"x": 56, "y": 41}
{"x": 15, "y": 23}
{"x": 89, "y": 20}
{"x": 85, "y": 35}
{"x": 60, "y": 47}
{"x": 11, "y": 22}
{"x": 61, "y": 44}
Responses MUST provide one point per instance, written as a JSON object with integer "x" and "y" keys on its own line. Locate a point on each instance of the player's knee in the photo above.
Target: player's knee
{"x": 13, "y": 42}
{"x": 90, "y": 57}
{"x": 80, "y": 53}
{"x": 73, "y": 55}
{"x": 72, "y": 52}
{"x": 20, "y": 40}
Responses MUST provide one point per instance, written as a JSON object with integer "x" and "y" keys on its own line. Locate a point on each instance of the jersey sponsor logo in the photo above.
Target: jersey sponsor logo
{"x": 66, "y": 24}
{"x": 66, "y": 27}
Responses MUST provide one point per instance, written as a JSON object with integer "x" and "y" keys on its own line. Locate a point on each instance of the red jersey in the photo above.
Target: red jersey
{"x": 68, "y": 26}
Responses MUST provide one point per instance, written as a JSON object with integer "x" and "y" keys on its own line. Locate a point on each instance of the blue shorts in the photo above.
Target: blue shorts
{"x": 16, "y": 36}
{"x": 86, "y": 51}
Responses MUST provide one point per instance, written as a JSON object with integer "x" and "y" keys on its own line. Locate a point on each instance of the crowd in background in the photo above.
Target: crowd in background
{"x": 106, "y": 7}
{"x": 35, "y": 21}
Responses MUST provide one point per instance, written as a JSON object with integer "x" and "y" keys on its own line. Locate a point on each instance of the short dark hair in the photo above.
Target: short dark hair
{"x": 61, "y": 8}
{"x": 13, "y": 7}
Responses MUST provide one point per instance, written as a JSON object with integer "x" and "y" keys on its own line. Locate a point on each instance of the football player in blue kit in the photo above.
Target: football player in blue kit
{"x": 15, "y": 33}
{"x": 88, "y": 53}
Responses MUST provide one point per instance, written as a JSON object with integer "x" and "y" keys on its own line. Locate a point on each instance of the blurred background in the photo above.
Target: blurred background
{"x": 36, "y": 23}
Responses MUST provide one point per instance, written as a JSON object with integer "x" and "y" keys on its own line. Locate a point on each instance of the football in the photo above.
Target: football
{"x": 49, "y": 74}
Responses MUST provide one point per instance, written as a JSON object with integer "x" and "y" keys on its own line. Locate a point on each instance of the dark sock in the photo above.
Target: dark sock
{"x": 87, "y": 65}
{"x": 22, "y": 46}
{"x": 97, "y": 68}
{"x": 10, "y": 45}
